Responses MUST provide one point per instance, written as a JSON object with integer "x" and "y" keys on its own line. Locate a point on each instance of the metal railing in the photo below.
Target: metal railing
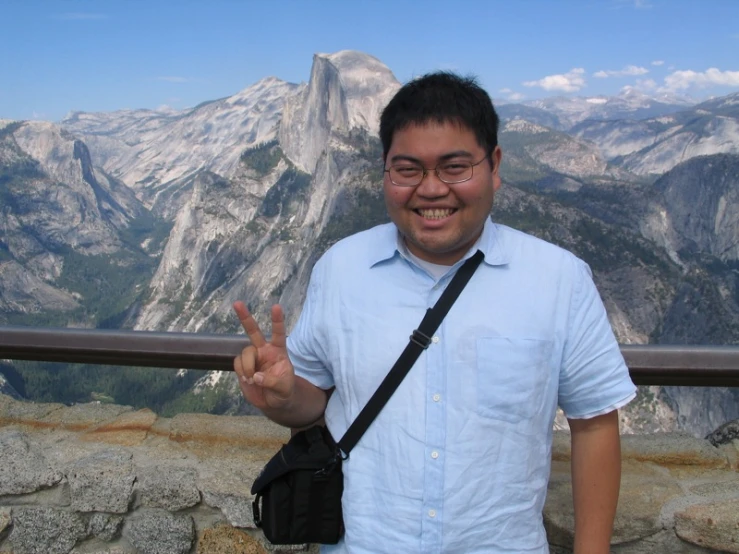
{"x": 695, "y": 366}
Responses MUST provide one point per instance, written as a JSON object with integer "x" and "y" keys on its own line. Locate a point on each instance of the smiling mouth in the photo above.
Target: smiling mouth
{"x": 436, "y": 213}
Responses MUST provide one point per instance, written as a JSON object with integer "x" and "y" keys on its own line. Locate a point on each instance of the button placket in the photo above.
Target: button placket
{"x": 433, "y": 497}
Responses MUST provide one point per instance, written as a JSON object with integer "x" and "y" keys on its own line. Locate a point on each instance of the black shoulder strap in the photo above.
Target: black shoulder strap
{"x": 419, "y": 341}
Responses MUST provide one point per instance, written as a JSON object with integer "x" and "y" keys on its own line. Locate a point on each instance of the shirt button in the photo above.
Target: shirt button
{"x": 435, "y": 340}
{"x": 432, "y": 513}
{"x": 436, "y": 397}
{"x": 434, "y": 454}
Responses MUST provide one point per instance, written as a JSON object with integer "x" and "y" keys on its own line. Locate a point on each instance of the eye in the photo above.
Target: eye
{"x": 455, "y": 168}
{"x": 407, "y": 170}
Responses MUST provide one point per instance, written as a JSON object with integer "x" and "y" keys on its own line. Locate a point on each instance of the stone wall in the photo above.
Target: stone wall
{"x": 107, "y": 479}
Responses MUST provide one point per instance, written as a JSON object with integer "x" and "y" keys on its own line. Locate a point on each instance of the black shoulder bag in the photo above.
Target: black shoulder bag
{"x": 298, "y": 493}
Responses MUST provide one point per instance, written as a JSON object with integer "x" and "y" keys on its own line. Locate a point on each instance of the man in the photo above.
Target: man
{"x": 459, "y": 458}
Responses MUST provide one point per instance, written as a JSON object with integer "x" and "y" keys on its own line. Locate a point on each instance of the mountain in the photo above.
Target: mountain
{"x": 628, "y": 104}
{"x": 8, "y": 378}
{"x": 539, "y": 155}
{"x": 347, "y": 90}
{"x": 256, "y": 234}
{"x": 696, "y": 211}
{"x": 70, "y": 232}
{"x": 655, "y": 145}
{"x": 158, "y": 154}
{"x": 161, "y": 219}
{"x": 538, "y": 116}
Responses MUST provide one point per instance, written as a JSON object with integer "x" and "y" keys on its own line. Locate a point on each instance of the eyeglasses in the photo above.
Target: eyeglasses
{"x": 409, "y": 174}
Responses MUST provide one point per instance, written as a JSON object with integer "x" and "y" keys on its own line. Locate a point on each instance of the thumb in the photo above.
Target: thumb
{"x": 278, "y": 383}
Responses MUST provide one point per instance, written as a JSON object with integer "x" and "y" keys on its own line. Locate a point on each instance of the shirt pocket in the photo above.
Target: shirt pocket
{"x": 511, "y": 377}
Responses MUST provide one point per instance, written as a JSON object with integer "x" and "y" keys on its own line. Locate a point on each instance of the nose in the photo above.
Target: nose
{"x": 431, "y": 186}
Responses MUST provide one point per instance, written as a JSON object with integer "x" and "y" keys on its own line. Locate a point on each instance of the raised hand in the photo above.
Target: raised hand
{"x": 266, "y": 376}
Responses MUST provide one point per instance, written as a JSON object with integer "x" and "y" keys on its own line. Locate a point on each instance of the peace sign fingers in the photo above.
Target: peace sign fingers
{"x": 266, "y": 376}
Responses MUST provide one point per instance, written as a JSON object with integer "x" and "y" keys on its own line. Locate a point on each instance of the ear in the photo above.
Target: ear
{"x": 496, "y": 157}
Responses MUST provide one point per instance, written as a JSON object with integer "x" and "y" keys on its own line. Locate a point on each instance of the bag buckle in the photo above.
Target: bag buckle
{"x": 421, "y": 339}
{"x": 330, "y": 465}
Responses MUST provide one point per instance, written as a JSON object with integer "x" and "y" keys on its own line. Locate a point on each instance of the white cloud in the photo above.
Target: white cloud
{"x": 173, "y": 79}
{"x": 641, "y": 85}
{"x": 511, "y": 95}
{"x": 629, "y": 70}
{"x": 681, "y": 80}
{"x": 646, "y": 84}
{"x": 572, "y": 81}
{"x": 658, "y": 62}
{"x": 80, "y": 16}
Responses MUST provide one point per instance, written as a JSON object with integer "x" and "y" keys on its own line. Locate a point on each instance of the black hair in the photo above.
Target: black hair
{"x": 441, "y": 97}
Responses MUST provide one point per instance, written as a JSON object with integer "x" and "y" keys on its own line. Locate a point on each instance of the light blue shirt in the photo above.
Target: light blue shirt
{"x": 458, "y": 460}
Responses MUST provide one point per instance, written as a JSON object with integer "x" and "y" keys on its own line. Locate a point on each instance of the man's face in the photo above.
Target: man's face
{"x": 440, "y": 222}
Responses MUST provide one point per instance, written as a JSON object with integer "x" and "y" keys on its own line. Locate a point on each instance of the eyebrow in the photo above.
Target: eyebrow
{"x": 442, "y": 158}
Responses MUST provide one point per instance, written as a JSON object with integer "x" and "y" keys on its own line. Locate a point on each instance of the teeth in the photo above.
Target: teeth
{"x": 435, "y": 214}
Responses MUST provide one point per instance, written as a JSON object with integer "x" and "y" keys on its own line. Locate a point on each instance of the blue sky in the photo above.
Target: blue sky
{"x": 102, "y": 55}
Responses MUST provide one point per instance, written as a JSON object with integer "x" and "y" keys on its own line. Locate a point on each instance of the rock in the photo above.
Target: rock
{"x": 24, "y": 468}
{"x": 642, "y": 495}
{"x": 172, "y": 490}
{"x": 154, "y": 531}
{"x": 83, "y": 416}
{"x": 91, "y": 547}
{"x": 664, "y": 542}
{"x": 561, "y": 446}
{"x": 45, "y": 531}
{"x": 231, "y": 492}
{"x": 714, "y": 525}
{"x": 725, "y": 434}
{"x": 731, "y": 451}
{"x": 640, "y": 503}
{"x": 25, "y": 413}
{"x": 236, "y": 508}
{"x": 128, "y": 429}
{"x": 672, "y": 449}
{"x": 227, "y": 540}
{"x": 102, "y": 482}
{"x": 255, "y": 432}
{"x": 105, "y": 527}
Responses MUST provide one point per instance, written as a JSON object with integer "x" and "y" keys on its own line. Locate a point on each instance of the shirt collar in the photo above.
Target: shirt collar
{"x": 492, "y": 243}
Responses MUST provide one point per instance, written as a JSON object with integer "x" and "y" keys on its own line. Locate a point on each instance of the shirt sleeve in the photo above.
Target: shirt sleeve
{"x": 594, "y": 378}
{"x": 305, "y": 344}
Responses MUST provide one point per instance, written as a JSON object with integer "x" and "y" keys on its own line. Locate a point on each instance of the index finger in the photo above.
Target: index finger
{"x": 249, "y": 324}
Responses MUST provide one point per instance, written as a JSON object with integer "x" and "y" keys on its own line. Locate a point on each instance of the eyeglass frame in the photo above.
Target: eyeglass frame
{"x": 426, "y": 171}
